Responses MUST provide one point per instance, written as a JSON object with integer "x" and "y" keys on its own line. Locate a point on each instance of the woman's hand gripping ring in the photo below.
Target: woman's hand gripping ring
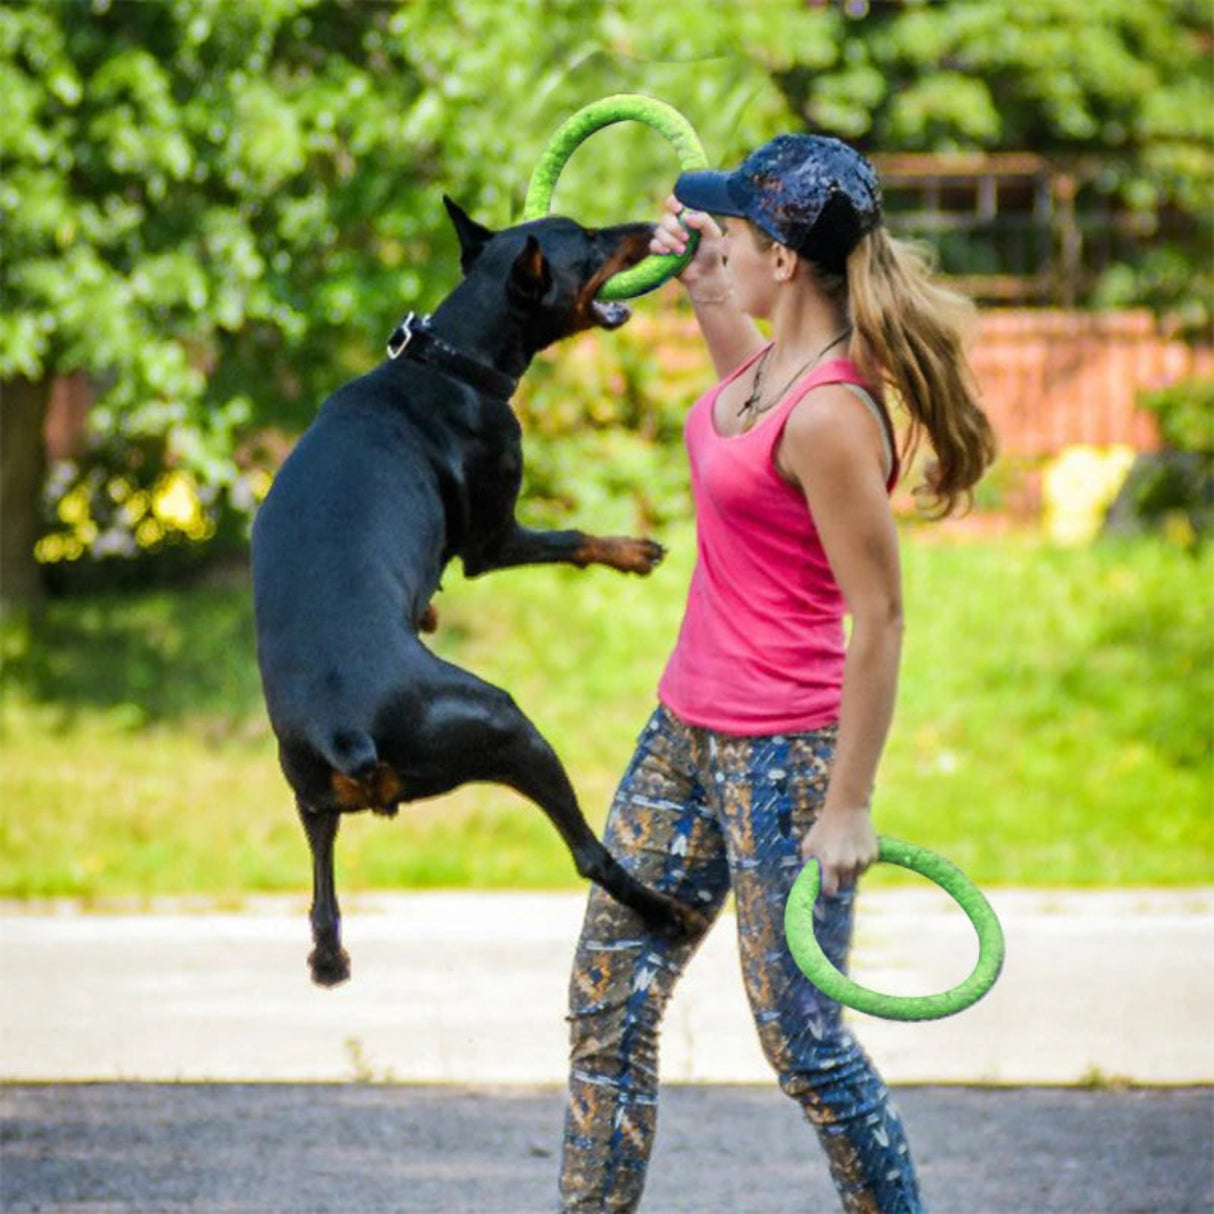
{"x": 816, "y": 966}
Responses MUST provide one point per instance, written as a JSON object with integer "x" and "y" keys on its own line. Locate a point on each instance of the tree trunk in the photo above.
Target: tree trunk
{"x": 23, "y": 406}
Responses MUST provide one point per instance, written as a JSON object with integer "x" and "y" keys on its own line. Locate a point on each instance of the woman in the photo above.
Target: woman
{"x": 763, "y": 752}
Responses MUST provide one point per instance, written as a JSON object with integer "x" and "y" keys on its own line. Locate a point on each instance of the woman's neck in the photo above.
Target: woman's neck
{"x": 803, "y": 322}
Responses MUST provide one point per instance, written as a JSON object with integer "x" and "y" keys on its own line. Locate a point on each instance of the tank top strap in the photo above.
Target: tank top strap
{"x": 888, "y": 445}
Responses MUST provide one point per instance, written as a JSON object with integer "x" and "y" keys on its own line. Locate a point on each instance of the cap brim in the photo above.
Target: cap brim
{"x": 707, "y": 190}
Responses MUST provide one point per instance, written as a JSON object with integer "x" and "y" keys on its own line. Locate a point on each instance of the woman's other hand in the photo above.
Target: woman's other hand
{"x": 844, "y": 842}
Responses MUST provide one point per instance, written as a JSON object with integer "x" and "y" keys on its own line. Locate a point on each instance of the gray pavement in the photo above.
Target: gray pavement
{"x": 401, "y": 1149}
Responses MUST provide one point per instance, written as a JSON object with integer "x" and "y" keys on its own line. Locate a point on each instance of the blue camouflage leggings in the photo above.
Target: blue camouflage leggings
{"x": 700, "y": 813}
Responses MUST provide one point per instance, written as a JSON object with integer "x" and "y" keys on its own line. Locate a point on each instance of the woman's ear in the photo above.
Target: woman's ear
{"x": 785, "y": 266}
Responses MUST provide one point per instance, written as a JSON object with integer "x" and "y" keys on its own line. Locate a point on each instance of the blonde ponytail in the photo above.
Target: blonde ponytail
{"x": 909, "y": 334}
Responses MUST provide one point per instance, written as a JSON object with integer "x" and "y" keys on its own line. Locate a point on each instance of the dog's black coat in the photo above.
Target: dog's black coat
{"x": 403, "y": 470}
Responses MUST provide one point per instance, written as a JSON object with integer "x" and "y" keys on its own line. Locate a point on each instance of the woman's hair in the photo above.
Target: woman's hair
{"x": 909, "y": 334}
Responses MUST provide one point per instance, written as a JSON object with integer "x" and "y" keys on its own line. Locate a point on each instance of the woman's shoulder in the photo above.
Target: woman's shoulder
{"x": 825, "y": 409}
{"x": 830, "y": 425}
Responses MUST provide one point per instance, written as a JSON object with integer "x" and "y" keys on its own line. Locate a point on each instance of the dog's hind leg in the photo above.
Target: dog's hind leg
{"x": 532, "y": 768}
{"x": 475, "y": 732}
{"x": 330, "y": 963}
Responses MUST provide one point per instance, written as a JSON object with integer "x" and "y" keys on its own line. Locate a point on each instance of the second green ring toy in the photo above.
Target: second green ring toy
{"x": 816, "y": 966}
{"x": 621, "y": 107}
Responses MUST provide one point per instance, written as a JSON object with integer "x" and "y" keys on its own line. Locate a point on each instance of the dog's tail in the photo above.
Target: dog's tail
{"x": 360, "y": 780}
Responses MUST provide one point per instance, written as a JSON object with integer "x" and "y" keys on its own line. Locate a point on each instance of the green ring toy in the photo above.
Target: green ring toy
{"x": 621, "y": 107}
{"x": 816, "y": 966}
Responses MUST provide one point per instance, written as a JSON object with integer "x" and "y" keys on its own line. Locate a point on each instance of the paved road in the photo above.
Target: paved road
{"x": 397, "y": 1149}
{"x": 469, "y": 990}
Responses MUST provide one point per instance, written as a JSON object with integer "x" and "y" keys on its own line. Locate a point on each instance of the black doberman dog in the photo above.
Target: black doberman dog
{"x": 404, "y": 469}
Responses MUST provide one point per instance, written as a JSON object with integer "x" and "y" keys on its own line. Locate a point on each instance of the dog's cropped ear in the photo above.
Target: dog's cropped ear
{"x": 531, "y": 276}
{"x": 472, "y": 236}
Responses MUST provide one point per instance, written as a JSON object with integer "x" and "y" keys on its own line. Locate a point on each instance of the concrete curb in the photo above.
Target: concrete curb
{"x": 470, "y": 988}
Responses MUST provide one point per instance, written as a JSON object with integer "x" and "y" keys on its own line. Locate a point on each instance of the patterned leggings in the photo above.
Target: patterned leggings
{"x": 699, "y": 813}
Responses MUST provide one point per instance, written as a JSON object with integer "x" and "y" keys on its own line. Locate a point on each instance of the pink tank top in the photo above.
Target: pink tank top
{"x": 761, "y": 647}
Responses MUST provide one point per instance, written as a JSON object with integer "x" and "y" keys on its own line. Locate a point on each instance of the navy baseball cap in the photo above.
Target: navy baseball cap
{"x": 815, "y": 194}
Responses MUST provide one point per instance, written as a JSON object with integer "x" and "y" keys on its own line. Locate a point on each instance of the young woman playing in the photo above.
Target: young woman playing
{"x": 763, "y": 752}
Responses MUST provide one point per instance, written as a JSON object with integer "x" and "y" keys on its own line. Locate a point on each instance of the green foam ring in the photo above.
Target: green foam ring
{"x": 816, "y": 966}
{"x": 621, "y": 107}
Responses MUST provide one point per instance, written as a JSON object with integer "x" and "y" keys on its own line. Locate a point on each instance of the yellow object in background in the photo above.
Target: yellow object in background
{"x": 1078, "y": 487}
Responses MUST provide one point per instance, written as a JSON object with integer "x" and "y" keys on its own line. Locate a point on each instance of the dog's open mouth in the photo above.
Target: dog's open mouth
{"x": 609, "y": 315}
{"x": 632, "y": 249}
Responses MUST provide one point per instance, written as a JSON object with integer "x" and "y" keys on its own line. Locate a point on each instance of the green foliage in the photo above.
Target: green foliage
{"x": 1173, "y": 491}
{"x": 190, "y": 166}
{"x": 184, "y": 222}
{"x": 249, "y": 194}
{"x": 1117, "y": 91}
{"x": 603, "y": 426}
{"x": 1185, "y": 411}
{"x": 1054, "y": 727}
{"x": 218, "y": 211}
{"x": 181, "y": 178}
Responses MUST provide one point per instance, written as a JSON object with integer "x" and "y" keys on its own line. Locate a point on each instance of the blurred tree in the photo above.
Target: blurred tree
{"x": 1119, "y": 92}
{"x": 183, "y": 220}
{"x": 217, "y": 210}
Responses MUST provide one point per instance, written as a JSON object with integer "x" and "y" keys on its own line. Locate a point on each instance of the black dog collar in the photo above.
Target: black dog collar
{"x": 413, "y": 338}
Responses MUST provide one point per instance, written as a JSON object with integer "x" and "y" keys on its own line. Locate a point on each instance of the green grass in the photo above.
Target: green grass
{"x": 1054, "y": 728}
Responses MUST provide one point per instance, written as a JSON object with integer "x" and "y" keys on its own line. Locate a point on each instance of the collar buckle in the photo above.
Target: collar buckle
{"x": 414, "y": 339}
{"x": 402, "y": 335}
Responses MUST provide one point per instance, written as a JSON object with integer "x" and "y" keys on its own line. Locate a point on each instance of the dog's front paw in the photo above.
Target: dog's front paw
{"x": 638, "y": 556}
{"x": 625, "y": 553}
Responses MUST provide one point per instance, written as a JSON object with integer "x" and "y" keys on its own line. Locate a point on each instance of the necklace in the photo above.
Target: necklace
{"x": 751, "y": 404}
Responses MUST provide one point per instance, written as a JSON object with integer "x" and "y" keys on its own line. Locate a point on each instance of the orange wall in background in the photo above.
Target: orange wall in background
{"x": 1051, "y": 379}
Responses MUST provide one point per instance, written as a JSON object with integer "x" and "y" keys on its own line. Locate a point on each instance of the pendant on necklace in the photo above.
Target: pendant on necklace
{"x": 757, "y": 387}
{"x": 749, "y": 405}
